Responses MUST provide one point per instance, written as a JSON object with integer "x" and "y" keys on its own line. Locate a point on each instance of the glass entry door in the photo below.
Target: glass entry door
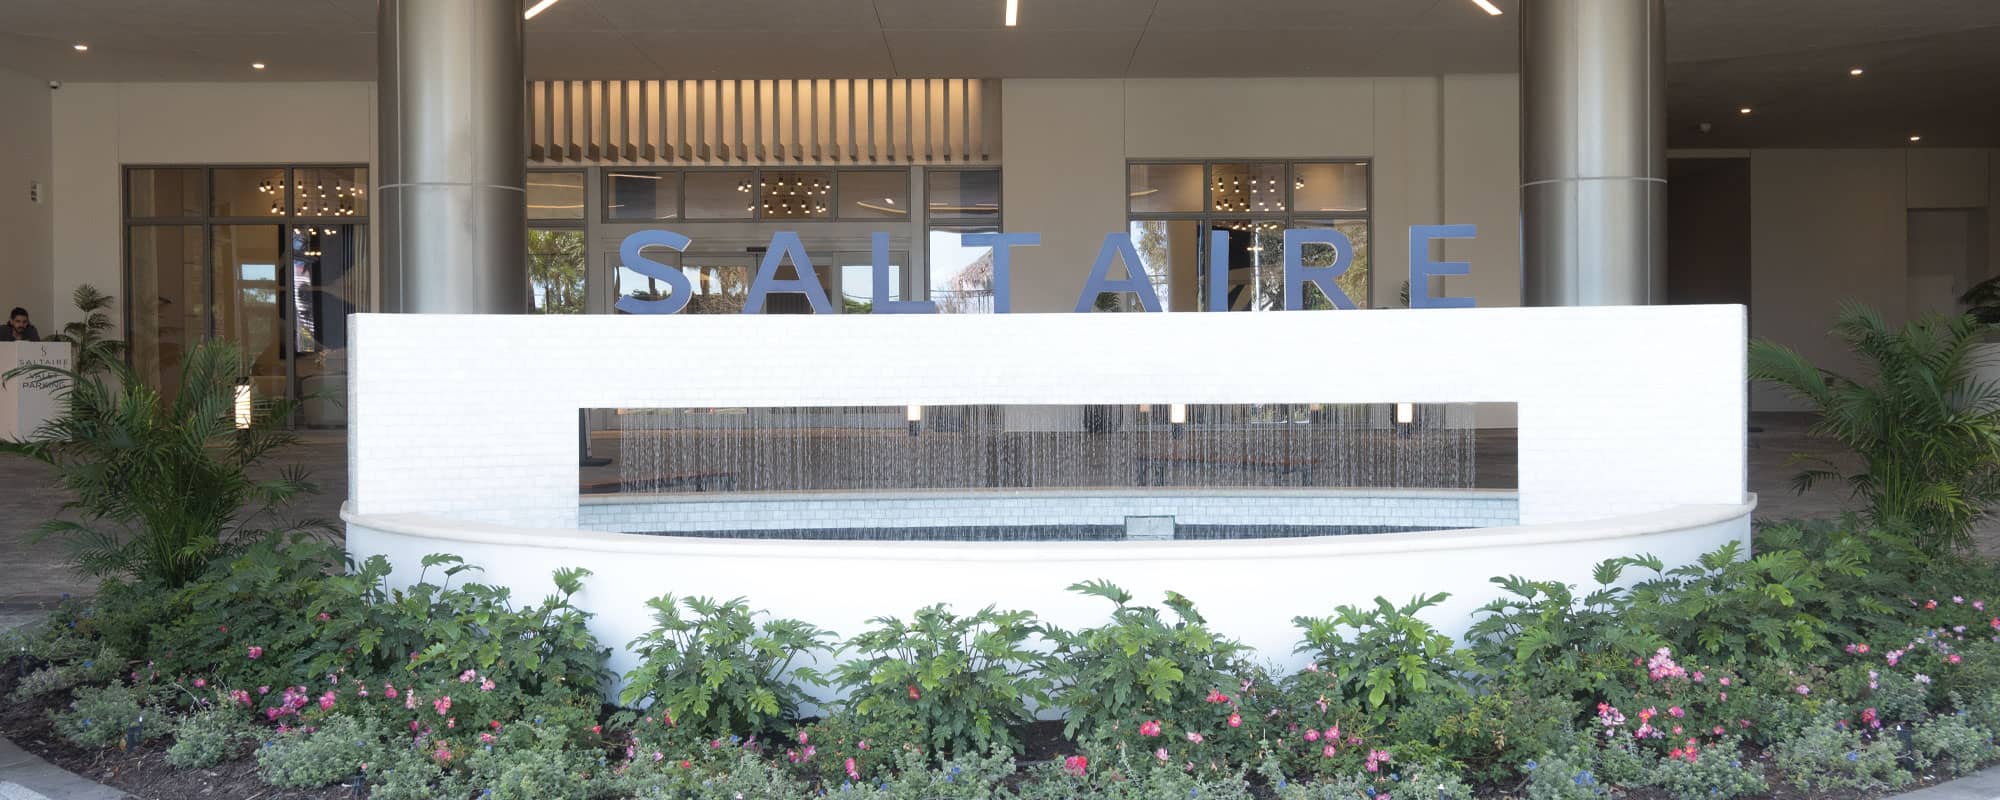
{"x": 282, "y": 294}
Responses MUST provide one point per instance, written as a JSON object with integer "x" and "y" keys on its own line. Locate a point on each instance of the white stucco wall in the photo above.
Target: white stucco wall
{"x": 27, "y": 266}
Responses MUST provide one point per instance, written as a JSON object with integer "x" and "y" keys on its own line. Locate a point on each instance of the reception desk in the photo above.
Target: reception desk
{"x": 24, "y": 406}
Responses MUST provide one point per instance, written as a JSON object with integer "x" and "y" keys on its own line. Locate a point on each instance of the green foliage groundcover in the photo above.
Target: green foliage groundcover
{"x": 1817, "y": 651}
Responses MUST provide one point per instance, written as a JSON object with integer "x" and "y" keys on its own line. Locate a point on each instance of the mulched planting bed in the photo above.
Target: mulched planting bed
{"x": 145, "y": 773}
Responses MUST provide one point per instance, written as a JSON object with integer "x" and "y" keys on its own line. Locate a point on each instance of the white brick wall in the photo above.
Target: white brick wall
{"x": 1622, "y": 410}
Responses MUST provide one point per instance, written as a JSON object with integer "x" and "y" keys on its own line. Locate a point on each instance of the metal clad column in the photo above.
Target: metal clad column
{"x": 1593, "y": 152}
{"x": 450, "y": 99}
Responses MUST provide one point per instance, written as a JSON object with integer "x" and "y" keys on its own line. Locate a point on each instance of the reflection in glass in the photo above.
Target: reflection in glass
{"x": 559, "y": 195}
{"x": 961, "y": 278}
{"x": 246, "y": 290}
{"x": 1165, "y": 188}
{"x": 799, "y": 302}
{"x": 330, "y": 191}
{"x": 1256, "y": 264}
{"x": 1322, "y": 188}
{"x": 1171, "y": 252}
{"x": 1254, "y": 188}
{"x": 168, "y": 309}
{"x": 627, "y": 195}
{"x": 329, "y": 270}
{"x": 249, "y": 192}
{"x": 874, "y": 194}
{"x": 165, "y": 193}
{"x": 857, "y": 280}
{"x": 728, "y": 194}
{"x": 792, "y": 194}
{"x": 1358, "y": 277}
{"x": 718, "y": 286}
{"x": 557, "y": 261}
{"x": 964, "y": 194}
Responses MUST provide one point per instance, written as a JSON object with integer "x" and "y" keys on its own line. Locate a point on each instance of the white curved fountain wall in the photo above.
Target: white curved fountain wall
{"x": 1632, "y": 424}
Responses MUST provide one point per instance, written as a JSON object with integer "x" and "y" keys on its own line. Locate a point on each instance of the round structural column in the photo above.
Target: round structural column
{"x": 451, "y": 203}
{"x": 1593, "y": 152}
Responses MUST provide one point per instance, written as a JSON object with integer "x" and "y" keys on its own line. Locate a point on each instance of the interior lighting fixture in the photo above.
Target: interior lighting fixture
{"x": 256, "y": 65}
{"x": 80, "y": 47}
{"x": 1406, "y": 413}
{"x": 1916, "y": 137}
{"x": 1487, "y": 6}
{"x": 1745, "y": 111}
{"x": 915, "y": 416}
{"x": 538, "y": 8}
{"x": 1013, "y": 12}
{"x": 1856, "y": 72}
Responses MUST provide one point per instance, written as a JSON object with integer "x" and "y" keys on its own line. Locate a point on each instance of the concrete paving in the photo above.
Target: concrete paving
{"x": 23, "y": 776}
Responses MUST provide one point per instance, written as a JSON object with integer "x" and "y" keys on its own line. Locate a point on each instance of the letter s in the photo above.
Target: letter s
{"x": 632, "y": 253}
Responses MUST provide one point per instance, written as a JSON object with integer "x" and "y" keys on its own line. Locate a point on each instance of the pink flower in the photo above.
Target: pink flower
{"x": 199, "y": 683}
{"x": 658, "y": 756}
{"x": 1375, "y": 760}
{"x": 1676, "y": 712}
{"x": 802, "y": 737}
{"x": 863, "y": 744}
{"x": 323, "y": 616}
{"x": 466, "y": 676}
{"x": 1215, "y": 696}
{"x": 1312, "y": 735}
{"x": 326, "y": 701}
{"x": 486, "y": 685}
{"x": 1149, "y": 728}
{"x": 1327, "y": 751}
{"x": 263, "y": 690}
{"x": 442, "y": 705}
{"x": 1235, "y": 720}
{"x": 451, "y": 723}
{"x": 913, "y": 692}
{"x": 486, "y": 738}
{"x": 1194, "y": 737}
{"x": 1953, "y": 658}
{"x": 854, "y": 772}
{"x": 1958, "y": 600}
{"x": 1803, "y": 690}
{"x": 1723, "y": 696}
{"x": 1979, "y": 605}
{"x": 1077, "y": 765}
{"x": 256, "y": 652}
{"x": 389, "y": 690}
{"x": 810, "y": 749}
{"x": 1160, "y": 754}
{"x": 1718, "y": 730}
{"x": 363, "y": 691}
{"x": 1724, "y": 680}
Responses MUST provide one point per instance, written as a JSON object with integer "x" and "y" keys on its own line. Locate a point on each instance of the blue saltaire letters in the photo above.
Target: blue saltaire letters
{"x": 1117, "y": 247}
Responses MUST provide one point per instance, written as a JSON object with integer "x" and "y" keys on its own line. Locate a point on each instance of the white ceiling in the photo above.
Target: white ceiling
{"x": 1933, "y": 66}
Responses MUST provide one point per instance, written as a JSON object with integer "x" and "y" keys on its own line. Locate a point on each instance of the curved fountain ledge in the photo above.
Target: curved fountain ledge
{"x": 1247, "y": 588}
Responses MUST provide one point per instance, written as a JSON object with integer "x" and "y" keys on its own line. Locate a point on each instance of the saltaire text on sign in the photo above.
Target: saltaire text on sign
{"x": 1117, "y": 246}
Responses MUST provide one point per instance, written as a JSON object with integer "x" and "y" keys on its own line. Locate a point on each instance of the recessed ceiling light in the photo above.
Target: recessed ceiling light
{"x": 1487, "y": 6}
{"x": 1745, "y": 111}
{"x": 1856, "y": 72}
{"x": 257, "y": 65}
{"x": 1013, "y": 12}
{"x": 1916, "y": 138}
{"x": 80, "y": 47}
{"x": 538, "y": 8}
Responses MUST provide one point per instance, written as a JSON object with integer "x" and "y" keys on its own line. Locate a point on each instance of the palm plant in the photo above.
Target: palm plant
{"x": 1926, "y": 428}
{"x": 160, "y": 484}
{"x": 91, "y": 335}
{"x": 1982, "y": 301}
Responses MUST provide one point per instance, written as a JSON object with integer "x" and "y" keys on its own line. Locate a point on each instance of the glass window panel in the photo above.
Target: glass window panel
{"x": 798, "y": 302}
{"x": 330, "y": 192}
{"x": 727, "y": 194}
{"x": 1171, "y": 252}
{"x": 1254, "y": 261}
{"x": 329, "y": 273}
{"x": 169, "y": 309}
{"x": 246, "y": 287}
{"x": 173, "y": 193}
{"x": 874, "y": 194}
{"x": 1165, "y": 188}
{"x": 961, "y": 278}
{"x": 559, "y": 195}
{"x": 720, "y": 285}
{"x": 1323, "y": 188}
{"x": 794, "y": 194}
{"x": 1254, "y": 188}
{"x": 1355, "y": 281}
{"x": 557, "y": 260}
{"x": 972, "y": 195}
{"x": 627, "y": 195}
{"x": 251, "y": 192}
{"x": 857, "y": 280}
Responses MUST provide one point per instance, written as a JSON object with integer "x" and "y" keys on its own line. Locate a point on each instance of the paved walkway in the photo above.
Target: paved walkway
{"x": 25, "y": 777}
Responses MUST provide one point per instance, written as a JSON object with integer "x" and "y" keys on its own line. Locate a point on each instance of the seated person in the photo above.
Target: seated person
{"x": 18, "y": 329}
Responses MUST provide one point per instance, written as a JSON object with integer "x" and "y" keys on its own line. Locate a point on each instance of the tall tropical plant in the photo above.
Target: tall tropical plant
{"x": 91, "y": 335}
{"x": 160, "y": 484}
{"x": 1982, "y": 301}
{"x": 1925, "y": 426}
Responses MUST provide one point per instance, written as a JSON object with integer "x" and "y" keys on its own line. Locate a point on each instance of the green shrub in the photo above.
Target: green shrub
{"x": 967, "y": 680}
{"x": 1489, "y": 735}
{"x": 1422, "y": 781}
{"x": 1954, "y": 741}
{"x": 161, "y": 484}
{"x": 718, "y": 672}
{"x": 1117, "y": 779}
{"x": 408, "y": 773}
{"x": 1716, "y": 770}
{"x": 1827, "y": 756}
{"x": 331, "y": 753}
{"x": 1394, "y": 657}
{"x": 1925, "y": 426}
{"x": 1566, "y": 775}
{"x": 208, "y": 737}
{"x": 876, "y": 744}
{"x": 1140, "y": 666}
{"x": 970, "y": 776}
{"x": 1540, "y": 634}
{"x": 1775, "y": 605}
{"x": 100, "y": 716}
{"x": 539, "y": 766}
